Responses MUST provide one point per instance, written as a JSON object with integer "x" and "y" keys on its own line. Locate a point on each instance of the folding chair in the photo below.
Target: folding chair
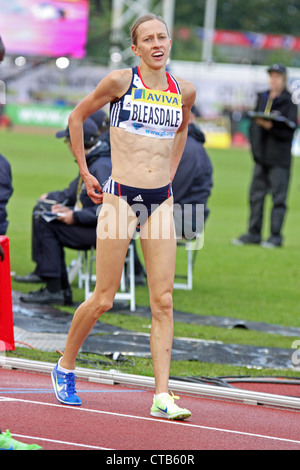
{"x": 190, "y": 241}
{"x": 83, "y": 268}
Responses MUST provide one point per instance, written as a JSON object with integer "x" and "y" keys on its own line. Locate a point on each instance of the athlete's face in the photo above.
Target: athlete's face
{"x": 153, "y": 43}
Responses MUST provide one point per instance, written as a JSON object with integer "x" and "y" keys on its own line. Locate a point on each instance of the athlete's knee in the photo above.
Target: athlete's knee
{"x": 162, "y": 305}
{"x": 101, "y": 303}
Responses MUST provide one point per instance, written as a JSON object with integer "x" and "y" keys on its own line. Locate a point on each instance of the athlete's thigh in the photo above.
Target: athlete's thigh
{"x": 114, "y": 232}
{"x": 158, "y": 241}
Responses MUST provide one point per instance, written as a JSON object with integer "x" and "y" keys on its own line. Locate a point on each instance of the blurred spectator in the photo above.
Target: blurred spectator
{"x": 6, "y": 191}
{"x": 102, "y": 120}
{"x": 6, "y": 188}
{"x": 271, "y": 138}
{"x": 193, "y": 180}
{"x": 71, "y": 222}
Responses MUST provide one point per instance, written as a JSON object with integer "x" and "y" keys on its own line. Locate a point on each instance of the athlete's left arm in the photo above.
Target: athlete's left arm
{"x": 188, "y": 95}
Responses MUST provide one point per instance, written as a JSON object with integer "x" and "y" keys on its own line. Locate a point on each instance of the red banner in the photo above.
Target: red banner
{"x": 254, "y": 40}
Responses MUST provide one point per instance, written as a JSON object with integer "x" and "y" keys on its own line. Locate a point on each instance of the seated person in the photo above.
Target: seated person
{"x": 102, "y": 120}
{"x": 74, "y": 225}
{"x": 6, "y": 191}
{"x": 192, "y": 183}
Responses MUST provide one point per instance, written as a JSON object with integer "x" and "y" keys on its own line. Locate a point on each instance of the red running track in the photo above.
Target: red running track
{"x": 117, "y": 418}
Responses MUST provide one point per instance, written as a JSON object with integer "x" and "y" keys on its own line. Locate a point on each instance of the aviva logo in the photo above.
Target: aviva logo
{"x": 156, "y": 97}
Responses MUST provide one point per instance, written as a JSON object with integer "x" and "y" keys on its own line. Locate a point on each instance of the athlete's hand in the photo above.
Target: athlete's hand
{"x": 93, "y": 189}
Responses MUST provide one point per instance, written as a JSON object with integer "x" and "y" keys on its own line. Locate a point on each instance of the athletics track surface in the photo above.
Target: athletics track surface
{"x": 114, "y": 417}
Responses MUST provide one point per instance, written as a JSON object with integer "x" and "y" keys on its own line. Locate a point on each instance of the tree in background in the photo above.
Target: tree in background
{"x": 260, "y": 16}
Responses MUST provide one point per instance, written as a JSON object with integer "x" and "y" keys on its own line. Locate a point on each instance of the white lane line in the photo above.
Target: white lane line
{"x": 161, "y": 421}
{"x": 21, "y": 436}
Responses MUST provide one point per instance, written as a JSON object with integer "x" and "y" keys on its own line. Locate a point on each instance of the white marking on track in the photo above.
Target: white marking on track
{"x": 76, "y": 444}
{"x": 161, "y": 421}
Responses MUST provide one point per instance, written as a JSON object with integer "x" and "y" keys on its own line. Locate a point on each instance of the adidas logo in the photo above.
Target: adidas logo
{"x": 138, "y": 198}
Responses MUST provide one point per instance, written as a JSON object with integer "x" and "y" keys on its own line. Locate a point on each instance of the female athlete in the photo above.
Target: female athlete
{"x": 149, "y": 115}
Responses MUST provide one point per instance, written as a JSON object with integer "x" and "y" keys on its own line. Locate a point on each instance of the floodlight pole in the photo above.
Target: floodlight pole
{"x": 209, "y": 29}
{"x": 168, "y": 13}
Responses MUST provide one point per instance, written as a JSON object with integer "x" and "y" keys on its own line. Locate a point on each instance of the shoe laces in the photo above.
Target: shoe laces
{"x": 171, "y": 397}
{"x": 174, "y": 397}
{"x": 70, "y": 379}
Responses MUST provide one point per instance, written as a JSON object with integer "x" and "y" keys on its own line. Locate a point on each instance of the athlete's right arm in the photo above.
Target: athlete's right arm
{"x": 111, "y": 88}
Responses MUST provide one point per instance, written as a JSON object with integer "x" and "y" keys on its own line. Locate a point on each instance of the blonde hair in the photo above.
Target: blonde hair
{"x": 143, "y": 19}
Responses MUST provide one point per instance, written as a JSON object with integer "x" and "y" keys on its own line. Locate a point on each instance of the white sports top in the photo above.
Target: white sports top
{"x": 152, "y": 113}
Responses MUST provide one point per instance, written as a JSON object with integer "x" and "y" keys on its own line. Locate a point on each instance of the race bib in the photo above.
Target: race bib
{"x": 154, "y": 113}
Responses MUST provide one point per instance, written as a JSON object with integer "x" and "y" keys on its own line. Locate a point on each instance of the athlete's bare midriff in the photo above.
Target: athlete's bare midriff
{"x": 139, "y": 161}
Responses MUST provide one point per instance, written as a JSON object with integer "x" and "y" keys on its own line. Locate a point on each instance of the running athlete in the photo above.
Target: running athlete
{"x": 150, "y": 111}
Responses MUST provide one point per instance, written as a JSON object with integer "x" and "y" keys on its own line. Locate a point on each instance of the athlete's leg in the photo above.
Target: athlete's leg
{"x": 158, "y": 243}
{"x": 111, "y": 253}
